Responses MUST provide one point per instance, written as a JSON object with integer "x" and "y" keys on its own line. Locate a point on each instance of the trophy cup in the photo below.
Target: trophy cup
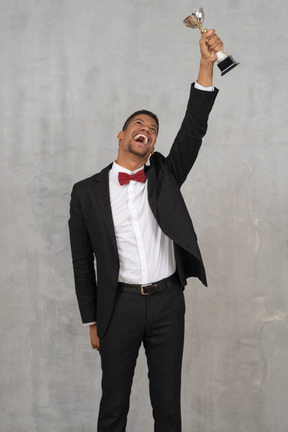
{"x": 225, "y": 62}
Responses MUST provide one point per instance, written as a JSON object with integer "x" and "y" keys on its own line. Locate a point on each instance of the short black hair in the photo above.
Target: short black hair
{"x": 136, "y": 113}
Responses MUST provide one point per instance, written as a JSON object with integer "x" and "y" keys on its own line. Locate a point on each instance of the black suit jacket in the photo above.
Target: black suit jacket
{"x": 91, "y": 226}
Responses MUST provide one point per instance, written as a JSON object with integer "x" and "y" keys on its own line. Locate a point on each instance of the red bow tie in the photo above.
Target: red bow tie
{"x": 125, "y": 178}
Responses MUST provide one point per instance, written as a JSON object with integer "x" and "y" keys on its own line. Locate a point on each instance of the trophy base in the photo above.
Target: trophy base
{"x": 227, "y": 64}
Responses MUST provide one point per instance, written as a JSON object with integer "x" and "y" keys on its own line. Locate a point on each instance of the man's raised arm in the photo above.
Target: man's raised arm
{"x": 188, "y": 141}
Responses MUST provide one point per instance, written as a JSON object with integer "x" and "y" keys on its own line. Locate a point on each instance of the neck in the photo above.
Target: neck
{"x": 131, "y": 164}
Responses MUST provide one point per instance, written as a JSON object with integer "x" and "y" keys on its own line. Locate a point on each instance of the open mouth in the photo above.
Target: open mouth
{"x": 141, "y": 138}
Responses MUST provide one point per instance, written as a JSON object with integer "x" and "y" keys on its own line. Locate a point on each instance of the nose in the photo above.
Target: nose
{"x": 145, "y": 128}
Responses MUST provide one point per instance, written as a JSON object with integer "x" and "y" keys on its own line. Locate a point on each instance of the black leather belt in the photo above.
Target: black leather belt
{"x": 150, "y": 288}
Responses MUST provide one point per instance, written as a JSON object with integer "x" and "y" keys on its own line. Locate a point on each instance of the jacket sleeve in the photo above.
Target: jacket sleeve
{"x": 83, "y": 260}
{"x": 188, "y": 141}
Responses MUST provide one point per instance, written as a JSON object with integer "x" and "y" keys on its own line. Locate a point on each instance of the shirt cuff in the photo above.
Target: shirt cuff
{"x": 200, "y": 87}
{"x": 90, "y": 323}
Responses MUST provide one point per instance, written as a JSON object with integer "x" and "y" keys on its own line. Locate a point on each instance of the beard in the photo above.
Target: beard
{"x": 142, "y": 152}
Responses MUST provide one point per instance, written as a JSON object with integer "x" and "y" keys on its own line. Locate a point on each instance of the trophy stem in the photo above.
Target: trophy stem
{"x": 221, "y": 56}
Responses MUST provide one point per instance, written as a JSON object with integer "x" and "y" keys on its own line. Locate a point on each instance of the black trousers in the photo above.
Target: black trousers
{"x": 157, "y": 320}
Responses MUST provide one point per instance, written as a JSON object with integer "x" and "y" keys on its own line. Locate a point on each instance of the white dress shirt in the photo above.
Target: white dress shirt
{"x": 146, "y": 254}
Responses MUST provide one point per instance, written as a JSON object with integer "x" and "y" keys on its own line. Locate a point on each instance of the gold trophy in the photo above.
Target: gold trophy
{"x": 225, "y": 62}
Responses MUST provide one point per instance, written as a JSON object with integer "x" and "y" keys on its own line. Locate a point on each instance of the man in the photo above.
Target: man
{"x": 133, "y": 220}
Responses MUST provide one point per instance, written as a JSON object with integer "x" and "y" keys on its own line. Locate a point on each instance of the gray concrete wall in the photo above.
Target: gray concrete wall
{"x": 70, "y": 73}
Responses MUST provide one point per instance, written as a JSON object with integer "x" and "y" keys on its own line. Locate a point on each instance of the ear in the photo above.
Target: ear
{"x": 120, "y": 135}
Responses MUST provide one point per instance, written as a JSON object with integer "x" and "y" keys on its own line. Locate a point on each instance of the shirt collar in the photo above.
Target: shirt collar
{"x": 118, "y": 168}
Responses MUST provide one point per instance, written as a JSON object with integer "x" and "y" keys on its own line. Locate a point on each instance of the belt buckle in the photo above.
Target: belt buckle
{"x": 144, "y": 286}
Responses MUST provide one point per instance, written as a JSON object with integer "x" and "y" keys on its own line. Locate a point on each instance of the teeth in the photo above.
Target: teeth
{"x": 143, "y": 136}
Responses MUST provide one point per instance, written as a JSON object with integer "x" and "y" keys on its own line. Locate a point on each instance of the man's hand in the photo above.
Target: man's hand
{"x": 210, "y": 44}
{"x": 94, "y": 337}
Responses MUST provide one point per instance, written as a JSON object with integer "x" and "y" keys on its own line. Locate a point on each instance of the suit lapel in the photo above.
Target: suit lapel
{"x": 151, "y": 176}
{"x": 102, "y": 196}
